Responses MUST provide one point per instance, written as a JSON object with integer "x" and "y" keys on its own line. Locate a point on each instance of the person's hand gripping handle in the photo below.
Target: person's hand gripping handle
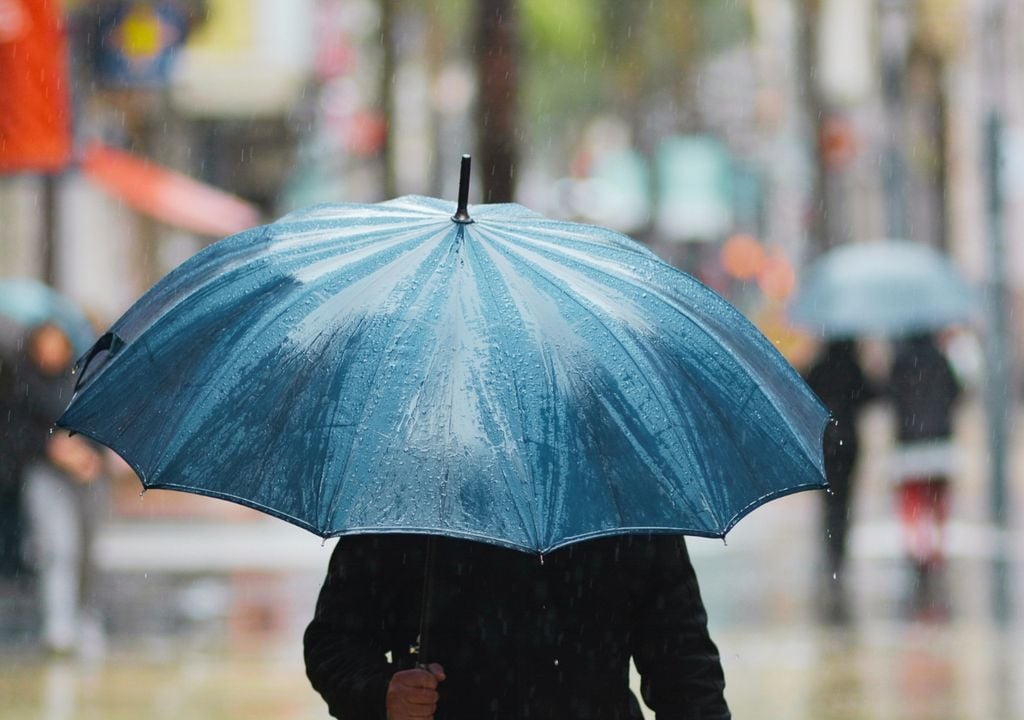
{"x": 413, "y": 693}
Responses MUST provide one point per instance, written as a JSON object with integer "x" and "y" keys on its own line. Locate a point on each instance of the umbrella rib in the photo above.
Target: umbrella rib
{"x": 252, "y": 335}
{"x": 241, "y": 256}
{"x": 267, "y": 323}
{"x": 653, "y": 469}
{"x": 655, "y": 391}
{"x": 533, "y": 520}
{"x": 196, "y": 490}
{"x": 486, "y": 236}
{"x": 601, "y": 237}
{"x": 420, "y": 289}
{"x": 696, "y": 321}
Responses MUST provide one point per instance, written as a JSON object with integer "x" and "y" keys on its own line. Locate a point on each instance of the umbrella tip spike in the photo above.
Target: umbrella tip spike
{"x": 461, "y": 215}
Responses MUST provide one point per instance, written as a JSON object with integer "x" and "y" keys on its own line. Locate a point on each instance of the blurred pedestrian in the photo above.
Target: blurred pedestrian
{"x": 513, "y": 635}
{"x": 924, "y": 391}
{"x": 58, "y": 471}
{"x": 837, "y": 378}
{"x": 13, "y": 451}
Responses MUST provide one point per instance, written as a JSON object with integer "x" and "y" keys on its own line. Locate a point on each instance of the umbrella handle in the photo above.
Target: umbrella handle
{"x": 423, "y": 640}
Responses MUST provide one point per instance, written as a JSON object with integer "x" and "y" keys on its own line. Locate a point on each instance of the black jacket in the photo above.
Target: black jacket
{"x": 924, "y": 391}
{"x": 838, "y": 381}
{"x": 30, "y": 403}
{"x": 518, "y": 638}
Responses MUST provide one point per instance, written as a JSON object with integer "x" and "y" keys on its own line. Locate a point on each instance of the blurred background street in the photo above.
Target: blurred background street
{"x": 741, "y": 141}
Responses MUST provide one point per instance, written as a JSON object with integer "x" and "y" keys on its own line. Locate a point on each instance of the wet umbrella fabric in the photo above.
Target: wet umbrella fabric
{"x": 891, "y": 287}
{"x": 514, "y": 380}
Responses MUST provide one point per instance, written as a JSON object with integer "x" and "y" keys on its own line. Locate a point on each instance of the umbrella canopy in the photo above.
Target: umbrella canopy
{"x": 29, "y": 303}
{"x": 890, "y": 287}
{"x": 505, "y": 378}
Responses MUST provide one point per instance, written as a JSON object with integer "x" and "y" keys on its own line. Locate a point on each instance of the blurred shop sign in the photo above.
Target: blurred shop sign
{"x": 250, "y": 58}
{"x": 695, "y": 189}
{"x": 617, "y": 194}
{"x": 35, "y": 118}
{"x": 846, "y": 64}
{"x": 942, "y": 26}
{"x": 138, "y": 43}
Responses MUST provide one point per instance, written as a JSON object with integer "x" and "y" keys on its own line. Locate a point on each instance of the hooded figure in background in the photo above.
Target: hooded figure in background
{"x": 838, "y": 380}
{"x": 16, "y": 446}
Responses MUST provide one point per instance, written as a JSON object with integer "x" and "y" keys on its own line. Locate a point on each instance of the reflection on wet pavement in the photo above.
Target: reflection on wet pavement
{"x": 161, "y": 683}
{"x": 910, "y": 671}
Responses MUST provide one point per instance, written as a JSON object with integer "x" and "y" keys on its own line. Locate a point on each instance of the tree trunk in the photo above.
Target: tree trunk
{"x": 815, "y": 109}
{"x": 498, "y": 78}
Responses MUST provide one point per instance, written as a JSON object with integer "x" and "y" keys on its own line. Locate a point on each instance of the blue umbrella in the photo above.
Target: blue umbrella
{"x": 889, "y": 287}
{"x": 503, "y": 378}
{"x": 30, "y": 303}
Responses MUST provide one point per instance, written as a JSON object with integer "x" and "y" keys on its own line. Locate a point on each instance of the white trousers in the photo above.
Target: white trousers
{"x": 55, "y": 511}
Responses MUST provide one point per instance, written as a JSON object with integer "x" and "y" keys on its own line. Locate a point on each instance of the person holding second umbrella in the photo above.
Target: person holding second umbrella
{"x": 924, "y": 391}
{"x": 837, "y": 378}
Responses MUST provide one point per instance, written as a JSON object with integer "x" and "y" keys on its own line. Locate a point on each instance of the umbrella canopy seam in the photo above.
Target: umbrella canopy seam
{"x": 593, "y": 312}
{"x": 698, "y": 323}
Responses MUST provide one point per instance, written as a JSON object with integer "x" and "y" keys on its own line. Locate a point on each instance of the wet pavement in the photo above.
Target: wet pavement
{"x": 783, "y": 659}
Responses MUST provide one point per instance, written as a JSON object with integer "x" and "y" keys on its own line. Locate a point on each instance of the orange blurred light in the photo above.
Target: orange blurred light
{"x": 777, "y": 278}
{"x": 366, "y": 133}
{"x": 742, "y": 256}
{"x": 797, "y": 346}
{"x": 838, "y": 142}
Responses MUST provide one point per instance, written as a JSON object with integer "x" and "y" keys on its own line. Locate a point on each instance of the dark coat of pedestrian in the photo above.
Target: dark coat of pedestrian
{"x": 924, "y": 391}
{"x": 517, "y": 636}
{"x": 16, "y": 447}
{"x": 27, "y": 406}
{"x": 838, "y": 380}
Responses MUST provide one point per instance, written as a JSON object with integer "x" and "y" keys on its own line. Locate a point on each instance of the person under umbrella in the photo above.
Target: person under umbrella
{"x": 925, "y": 391}
{"x": 16, "y": 446}
{"x": 516, "y": 635}
{"x": 502, "y": 379}
{"x": 837, "y": 378}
